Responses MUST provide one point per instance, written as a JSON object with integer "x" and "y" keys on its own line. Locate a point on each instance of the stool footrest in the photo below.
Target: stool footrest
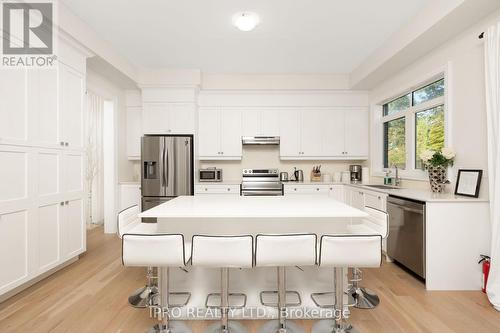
{"x": 315, "y": 296}
{"x": 231, "y": 295}
{"x": 275, "y": 292}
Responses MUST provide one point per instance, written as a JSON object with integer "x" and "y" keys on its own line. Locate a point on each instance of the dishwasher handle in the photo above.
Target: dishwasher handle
{"x": 407, "y": 209}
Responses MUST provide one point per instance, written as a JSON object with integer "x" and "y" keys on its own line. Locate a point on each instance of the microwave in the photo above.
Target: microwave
{"x": 210, "y": 175}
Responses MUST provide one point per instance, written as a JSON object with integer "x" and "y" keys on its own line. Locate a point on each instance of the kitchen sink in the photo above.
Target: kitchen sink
{"x": 385, "y": 187}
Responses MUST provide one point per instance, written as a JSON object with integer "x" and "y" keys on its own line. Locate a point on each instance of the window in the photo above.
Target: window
{"x": 412, "y": 124}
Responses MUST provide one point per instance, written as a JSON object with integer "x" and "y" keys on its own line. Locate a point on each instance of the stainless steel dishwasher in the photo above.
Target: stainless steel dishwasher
{"x": 406, "y": 240}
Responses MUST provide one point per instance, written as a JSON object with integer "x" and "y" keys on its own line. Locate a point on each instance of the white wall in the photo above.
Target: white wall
{"x": 463, "y": 55}
{"x": 111, "y": 91}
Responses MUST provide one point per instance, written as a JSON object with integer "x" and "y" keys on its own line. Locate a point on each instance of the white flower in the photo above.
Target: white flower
{"x": 448, "y": 153}
{"x": 426, "y": 155}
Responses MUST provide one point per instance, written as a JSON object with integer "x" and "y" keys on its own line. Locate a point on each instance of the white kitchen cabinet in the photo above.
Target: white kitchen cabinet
{"x": 356, "y": 133}
{"x": 42, "y": 148}
{"x": 217, "y": 189}
{"x": 375, "y": 200}
{"x": 168, "y": 118}
{"x": 333, "y": 133}
{"x": 72, "y": 92}
{"x": 73, "y": 228}
{"x": 134, "y": 132}
{"x": 354, "y": 197}
{"x": 13, "y": 106}
{"x": 361, "y": 198}
{"x": 310, "y": 189}
{"x": 337, "y": 192}
{"x": 130, "y": 194}
{"x": 260, "y": 122}
{"x": 219, "y": 134}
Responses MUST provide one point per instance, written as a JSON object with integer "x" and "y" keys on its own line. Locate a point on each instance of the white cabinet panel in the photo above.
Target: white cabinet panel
{"x": 182, "y": 118}
{"x": 168, "y": 118}
{"x": 217, "y": 189}
{"x": 130, "y": 195}
{"x": 13, "y": 174}
{"x": 333, "y": 130}
{"x": 356, "y": 134}
{"x": 251, "y": 122}
{"x": 73, "y": 172}
{"x": 13, "y": 248}
{"x": 311, "y": 133}
{"x": 270, "y": 123}
{"x": 219, "y": 134}
{"x": 231, "y": 133}
{"x": 13, "y": 105}
{"x": 155, "y": 119}
{"x": 134, "y": 132}
{"x": 337, "y": 192}
{"x": 289, "y": 133}
{"x": 48, "y": 173}
{"x": 72, "y": 91}
{"x": 73, "y": 228}
{"x": 49, "y": 219}
{"x": 319, "y": 189}
{"x": 375, "y": 200}
{"x": 209, "y": 133}
{"x": 43, "y": 107}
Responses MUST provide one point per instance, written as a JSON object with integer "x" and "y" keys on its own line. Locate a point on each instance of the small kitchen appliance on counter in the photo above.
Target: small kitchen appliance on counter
{"x": 356, "y": 171}
{"x": 298, "y": 175}
{"x": 261, "y": 182}
{"x": 284, "y": 176}
{"x": 210, "y": 175}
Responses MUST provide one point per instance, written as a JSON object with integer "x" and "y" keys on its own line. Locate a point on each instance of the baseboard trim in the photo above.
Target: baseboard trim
{"x": 37, "y": 279}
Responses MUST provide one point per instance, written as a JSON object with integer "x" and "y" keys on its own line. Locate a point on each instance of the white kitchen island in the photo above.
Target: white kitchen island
{"x": 228, "y": 215}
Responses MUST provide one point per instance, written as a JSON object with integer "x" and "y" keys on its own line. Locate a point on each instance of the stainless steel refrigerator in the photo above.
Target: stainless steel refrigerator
{"x": 166, "y": 169}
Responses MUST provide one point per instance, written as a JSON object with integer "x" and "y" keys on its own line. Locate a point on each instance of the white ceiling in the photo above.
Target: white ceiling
{"x": 294, "y": 36}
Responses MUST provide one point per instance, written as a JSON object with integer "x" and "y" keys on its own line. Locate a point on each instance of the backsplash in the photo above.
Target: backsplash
{"x": 268, "y": 157}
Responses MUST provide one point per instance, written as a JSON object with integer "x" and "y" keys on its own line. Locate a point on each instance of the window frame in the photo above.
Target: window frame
{"x": 378, "y": 120}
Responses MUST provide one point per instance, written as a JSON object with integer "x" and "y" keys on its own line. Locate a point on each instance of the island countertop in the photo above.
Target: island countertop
{"x": 297, "y": 206}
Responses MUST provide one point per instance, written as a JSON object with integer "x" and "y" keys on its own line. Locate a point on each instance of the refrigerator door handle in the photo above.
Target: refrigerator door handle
{"x": 163, "y": 166}
{"x": 167, "y": 168}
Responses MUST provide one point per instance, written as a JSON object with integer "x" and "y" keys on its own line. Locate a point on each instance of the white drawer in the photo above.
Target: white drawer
{"x": 306, "y": 189}
{"x": 217, "y": 189}
{"x": 375, "y": 200}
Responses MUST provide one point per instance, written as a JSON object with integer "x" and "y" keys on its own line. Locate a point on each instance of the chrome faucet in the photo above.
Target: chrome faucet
{"x": 397, "y": 179}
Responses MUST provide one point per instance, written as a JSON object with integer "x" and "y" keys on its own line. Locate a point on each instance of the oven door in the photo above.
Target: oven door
{"x": 255, "y": 193}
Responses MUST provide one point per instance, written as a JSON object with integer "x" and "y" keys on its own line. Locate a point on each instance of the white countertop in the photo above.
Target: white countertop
{"x": 297, "y": 206}
{"x": 131, "y": 183}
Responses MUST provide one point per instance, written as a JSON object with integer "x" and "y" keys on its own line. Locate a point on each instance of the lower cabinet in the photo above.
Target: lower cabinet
{"x": 335, "y": 191}
{"x": 130, "y": 194}
{"x": 217, "y": 189}
{"x": 360, "y": 198}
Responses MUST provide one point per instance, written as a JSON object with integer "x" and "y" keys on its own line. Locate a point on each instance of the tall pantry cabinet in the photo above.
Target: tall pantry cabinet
{"x": 42, "y": 167}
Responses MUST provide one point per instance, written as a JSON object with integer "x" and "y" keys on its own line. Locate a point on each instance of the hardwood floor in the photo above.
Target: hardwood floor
{"x": 91, "y": 296}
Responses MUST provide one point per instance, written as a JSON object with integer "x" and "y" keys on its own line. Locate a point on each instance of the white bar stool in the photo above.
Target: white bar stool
{"x": 129, "y": 222}
{"x": 283, "y": 251}
{"x": 162, "y": 251}
{"x": 223, "y": 252}
{"x": 377, "y": 223}
{"x": 342, "y": 252}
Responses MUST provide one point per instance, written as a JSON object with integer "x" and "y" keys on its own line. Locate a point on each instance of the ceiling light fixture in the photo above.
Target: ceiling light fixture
{"x": 246, "y": 21}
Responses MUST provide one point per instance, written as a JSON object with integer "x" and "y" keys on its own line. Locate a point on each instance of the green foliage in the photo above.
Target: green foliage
{"x": 430, "y": 132}
{"x": 439, "y": 160}
{"x": 396, "y": 145}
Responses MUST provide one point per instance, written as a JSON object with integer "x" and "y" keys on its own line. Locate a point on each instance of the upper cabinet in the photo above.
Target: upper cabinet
{"x": 168, "y": 118}
{"x": 333, "y": 133}
{"x": 260, "y": 122}
{"x": 219, "y": 134}
{"x": 72, "y": 85}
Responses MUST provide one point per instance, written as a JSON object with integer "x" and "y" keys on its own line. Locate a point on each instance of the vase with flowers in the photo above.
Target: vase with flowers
{"x": 437, "y": 163}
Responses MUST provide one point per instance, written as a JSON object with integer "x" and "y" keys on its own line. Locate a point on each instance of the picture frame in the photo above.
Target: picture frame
{"x": 468, "y": 182}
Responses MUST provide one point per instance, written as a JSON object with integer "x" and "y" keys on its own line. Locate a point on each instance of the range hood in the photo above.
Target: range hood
{"x": 260, "y": 140}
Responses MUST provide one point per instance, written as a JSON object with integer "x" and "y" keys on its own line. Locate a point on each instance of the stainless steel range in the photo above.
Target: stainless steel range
{"x": 262, "y": 182}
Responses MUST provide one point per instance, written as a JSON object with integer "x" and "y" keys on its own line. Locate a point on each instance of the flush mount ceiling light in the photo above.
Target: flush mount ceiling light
{"x": 246, "y": 21}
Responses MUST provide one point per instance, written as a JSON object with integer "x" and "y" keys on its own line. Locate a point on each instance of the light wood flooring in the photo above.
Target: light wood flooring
{"x": 91, "y": 296}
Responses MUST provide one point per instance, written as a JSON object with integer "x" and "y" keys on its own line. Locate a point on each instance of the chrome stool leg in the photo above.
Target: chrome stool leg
{"x": 365, "y": 298}
{"x": 161, "y": 308}
{"x": 281, "y": 325}
{"x": 225, "y": 326}
{"x": 141, "y": 298}
{"x": 339, "y": 323}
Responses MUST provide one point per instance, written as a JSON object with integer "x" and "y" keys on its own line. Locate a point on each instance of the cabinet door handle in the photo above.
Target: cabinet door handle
{"x": 317, "y": 189}
{"x": 228, "y": 189}
{"x": 66, "y": 144}
{"x": 62, "y": 203}
{"x": 206, "y": 189}
{"x": 66, "y": 202}
{"x": 62, "y": 143}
